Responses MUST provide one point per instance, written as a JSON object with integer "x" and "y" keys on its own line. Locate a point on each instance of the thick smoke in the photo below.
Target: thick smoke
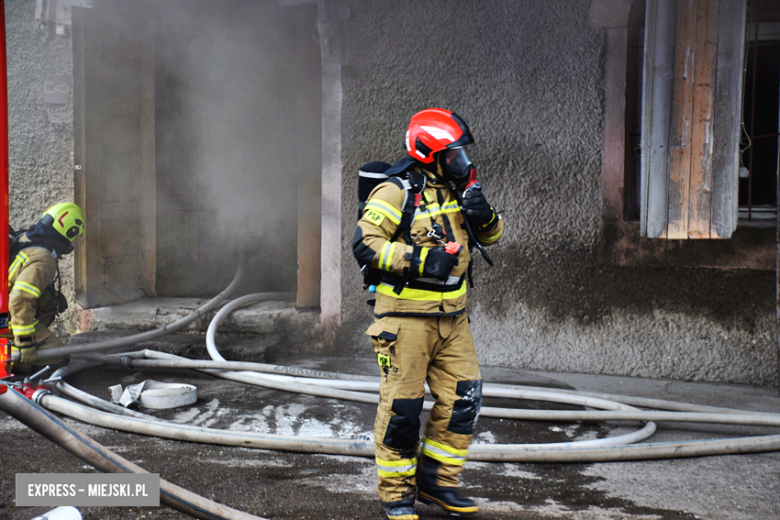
{"x": 229, "y": 146}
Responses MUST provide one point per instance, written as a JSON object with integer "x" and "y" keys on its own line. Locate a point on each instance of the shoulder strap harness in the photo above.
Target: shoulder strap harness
{"x": 413, "y": 185}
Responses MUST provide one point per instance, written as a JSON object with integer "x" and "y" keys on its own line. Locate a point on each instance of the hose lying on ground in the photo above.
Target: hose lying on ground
{"x": 343, "y": 386}
{"x": 146, "y": 359}
{"x": 103, "y": 459}
{"x": 153, "y": 359}
{"x": 213, "y": 351}
{"x": 560, "y": 452}
{"x": 89, "y": 399}
{"x": 301, "y": 386}
{"x": 719, "y": 416}
{"x": 576, "y": 451}
{"x": 198, "y": 313}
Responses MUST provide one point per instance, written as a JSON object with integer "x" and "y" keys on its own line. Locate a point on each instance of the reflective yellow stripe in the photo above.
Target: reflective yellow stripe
{"x": 23, "y": 330}
{"x": 423, "y": 256}
{"x": 382, "y": 255}
{"x": 12, "y": 272}
{"x": 434, "y": 213}
{"x": 396, "y": 463}
{"x": 408, "y": 473}
{"x": 386, "y": 256}
{"x": 421, "y": 295}
{"x": 483, "y": 226}
{"x": 444, "y": 453}
{"x": 396, "y": 468}
{"x": 443, "y": 458}
{"x": 18, "y": 262}
{"x": 28, "y": 288}
{"x": 492, "y": 238}
{"x": 385, "y": 209}
{"x": 435, "y": 209}
{"x": 448, "y": 449}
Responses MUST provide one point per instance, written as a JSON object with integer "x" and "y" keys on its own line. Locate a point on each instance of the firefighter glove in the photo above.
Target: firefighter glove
{"x": 439, "y": 263}
{"x": 476, "y": 207}
{"x": 24, "y": 348}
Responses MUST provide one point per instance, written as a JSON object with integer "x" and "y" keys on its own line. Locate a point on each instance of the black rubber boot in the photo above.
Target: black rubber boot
{"x": 449, "y": 500}
{"x": 429, "y": 492}
{"x": 403, "y": 510}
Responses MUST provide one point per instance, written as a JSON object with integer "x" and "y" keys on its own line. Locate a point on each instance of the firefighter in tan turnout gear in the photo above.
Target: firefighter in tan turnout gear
{"x": 33, "y": 299}
{"x": 412, "y": 238}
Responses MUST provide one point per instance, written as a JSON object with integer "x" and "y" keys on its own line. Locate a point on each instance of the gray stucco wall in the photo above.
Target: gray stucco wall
{"x": 527, "y": 77}
{"x": 41, "y": 167}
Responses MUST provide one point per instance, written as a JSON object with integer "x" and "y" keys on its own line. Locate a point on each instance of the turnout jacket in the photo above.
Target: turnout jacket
{"x": 403, "y": 291}
{"x": 29, "y": 301}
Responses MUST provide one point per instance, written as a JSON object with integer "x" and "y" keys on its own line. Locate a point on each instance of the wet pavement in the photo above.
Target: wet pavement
{"x": 275, "y": 484}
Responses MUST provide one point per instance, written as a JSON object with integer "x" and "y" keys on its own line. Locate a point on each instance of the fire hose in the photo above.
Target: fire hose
{"x": 344, "y": 386}
{"x": 198, "y": 313}
{"x": 596, "y": 450}
{"x": 100, "y": 457}
{"x": 363, "y": 388}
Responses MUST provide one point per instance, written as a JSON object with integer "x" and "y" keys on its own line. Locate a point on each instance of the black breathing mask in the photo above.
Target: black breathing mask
{"x": 457, "y": 167}
{"x": 44, "y": 235}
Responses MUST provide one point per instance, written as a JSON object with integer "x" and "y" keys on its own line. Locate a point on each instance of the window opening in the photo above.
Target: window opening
{"x": 633, "y": 161}
{"x": 759, "y": 158}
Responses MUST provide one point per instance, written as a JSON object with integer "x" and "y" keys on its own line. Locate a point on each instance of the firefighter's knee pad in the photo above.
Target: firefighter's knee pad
{"x": 403, "y": 428}
{"x": 466, "y": 409}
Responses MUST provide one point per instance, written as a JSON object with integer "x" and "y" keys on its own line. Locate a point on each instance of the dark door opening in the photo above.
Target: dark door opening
{"x": 197, "y": 126}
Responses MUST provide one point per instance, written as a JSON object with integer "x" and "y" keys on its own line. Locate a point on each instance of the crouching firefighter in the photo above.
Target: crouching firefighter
{"x": 412, "y": 243}
{"x": 34, "y": 296}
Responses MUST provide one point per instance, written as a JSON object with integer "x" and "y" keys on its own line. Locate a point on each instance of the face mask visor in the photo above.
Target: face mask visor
{"x": 457, "y": 165}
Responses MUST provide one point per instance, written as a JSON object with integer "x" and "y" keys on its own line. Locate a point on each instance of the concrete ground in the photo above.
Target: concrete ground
{"x": 284, "y": 485}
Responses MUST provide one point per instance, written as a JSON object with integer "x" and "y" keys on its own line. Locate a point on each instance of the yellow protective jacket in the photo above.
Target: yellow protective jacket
{"x": 29, "y": 301}
{"x": 401, "y": 291}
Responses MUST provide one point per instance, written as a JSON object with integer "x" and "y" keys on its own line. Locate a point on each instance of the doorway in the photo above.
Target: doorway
{"x": 197, "y": 123}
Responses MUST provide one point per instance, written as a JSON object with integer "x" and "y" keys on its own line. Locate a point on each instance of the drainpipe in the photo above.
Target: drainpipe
{"x": 4, "y": 349}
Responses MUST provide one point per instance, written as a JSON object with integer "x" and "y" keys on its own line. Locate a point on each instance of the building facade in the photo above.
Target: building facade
{"x": 552, "y": 93}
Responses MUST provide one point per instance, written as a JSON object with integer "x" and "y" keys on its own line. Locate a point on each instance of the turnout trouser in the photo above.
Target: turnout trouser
{"x": 411, "y": 351}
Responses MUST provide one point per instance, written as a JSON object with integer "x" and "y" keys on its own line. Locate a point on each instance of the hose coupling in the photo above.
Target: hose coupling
{"x": 39, "y": 393}
{"x": 126, "y": 362}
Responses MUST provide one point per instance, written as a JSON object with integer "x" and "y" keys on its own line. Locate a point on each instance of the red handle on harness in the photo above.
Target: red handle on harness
{"x": 452, "y": 248}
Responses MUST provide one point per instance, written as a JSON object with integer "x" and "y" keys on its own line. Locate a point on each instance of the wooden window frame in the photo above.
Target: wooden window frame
{"x": 621, "y": 242}
{"x": 691, "y": 114}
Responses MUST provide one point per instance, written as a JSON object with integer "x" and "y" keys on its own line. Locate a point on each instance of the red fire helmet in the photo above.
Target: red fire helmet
{"x": 433, "y": 130}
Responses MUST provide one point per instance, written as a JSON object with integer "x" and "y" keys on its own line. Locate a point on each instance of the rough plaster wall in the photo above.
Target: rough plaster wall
{"x": 527, "y": 77}
{"x": 41, "y": 168}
